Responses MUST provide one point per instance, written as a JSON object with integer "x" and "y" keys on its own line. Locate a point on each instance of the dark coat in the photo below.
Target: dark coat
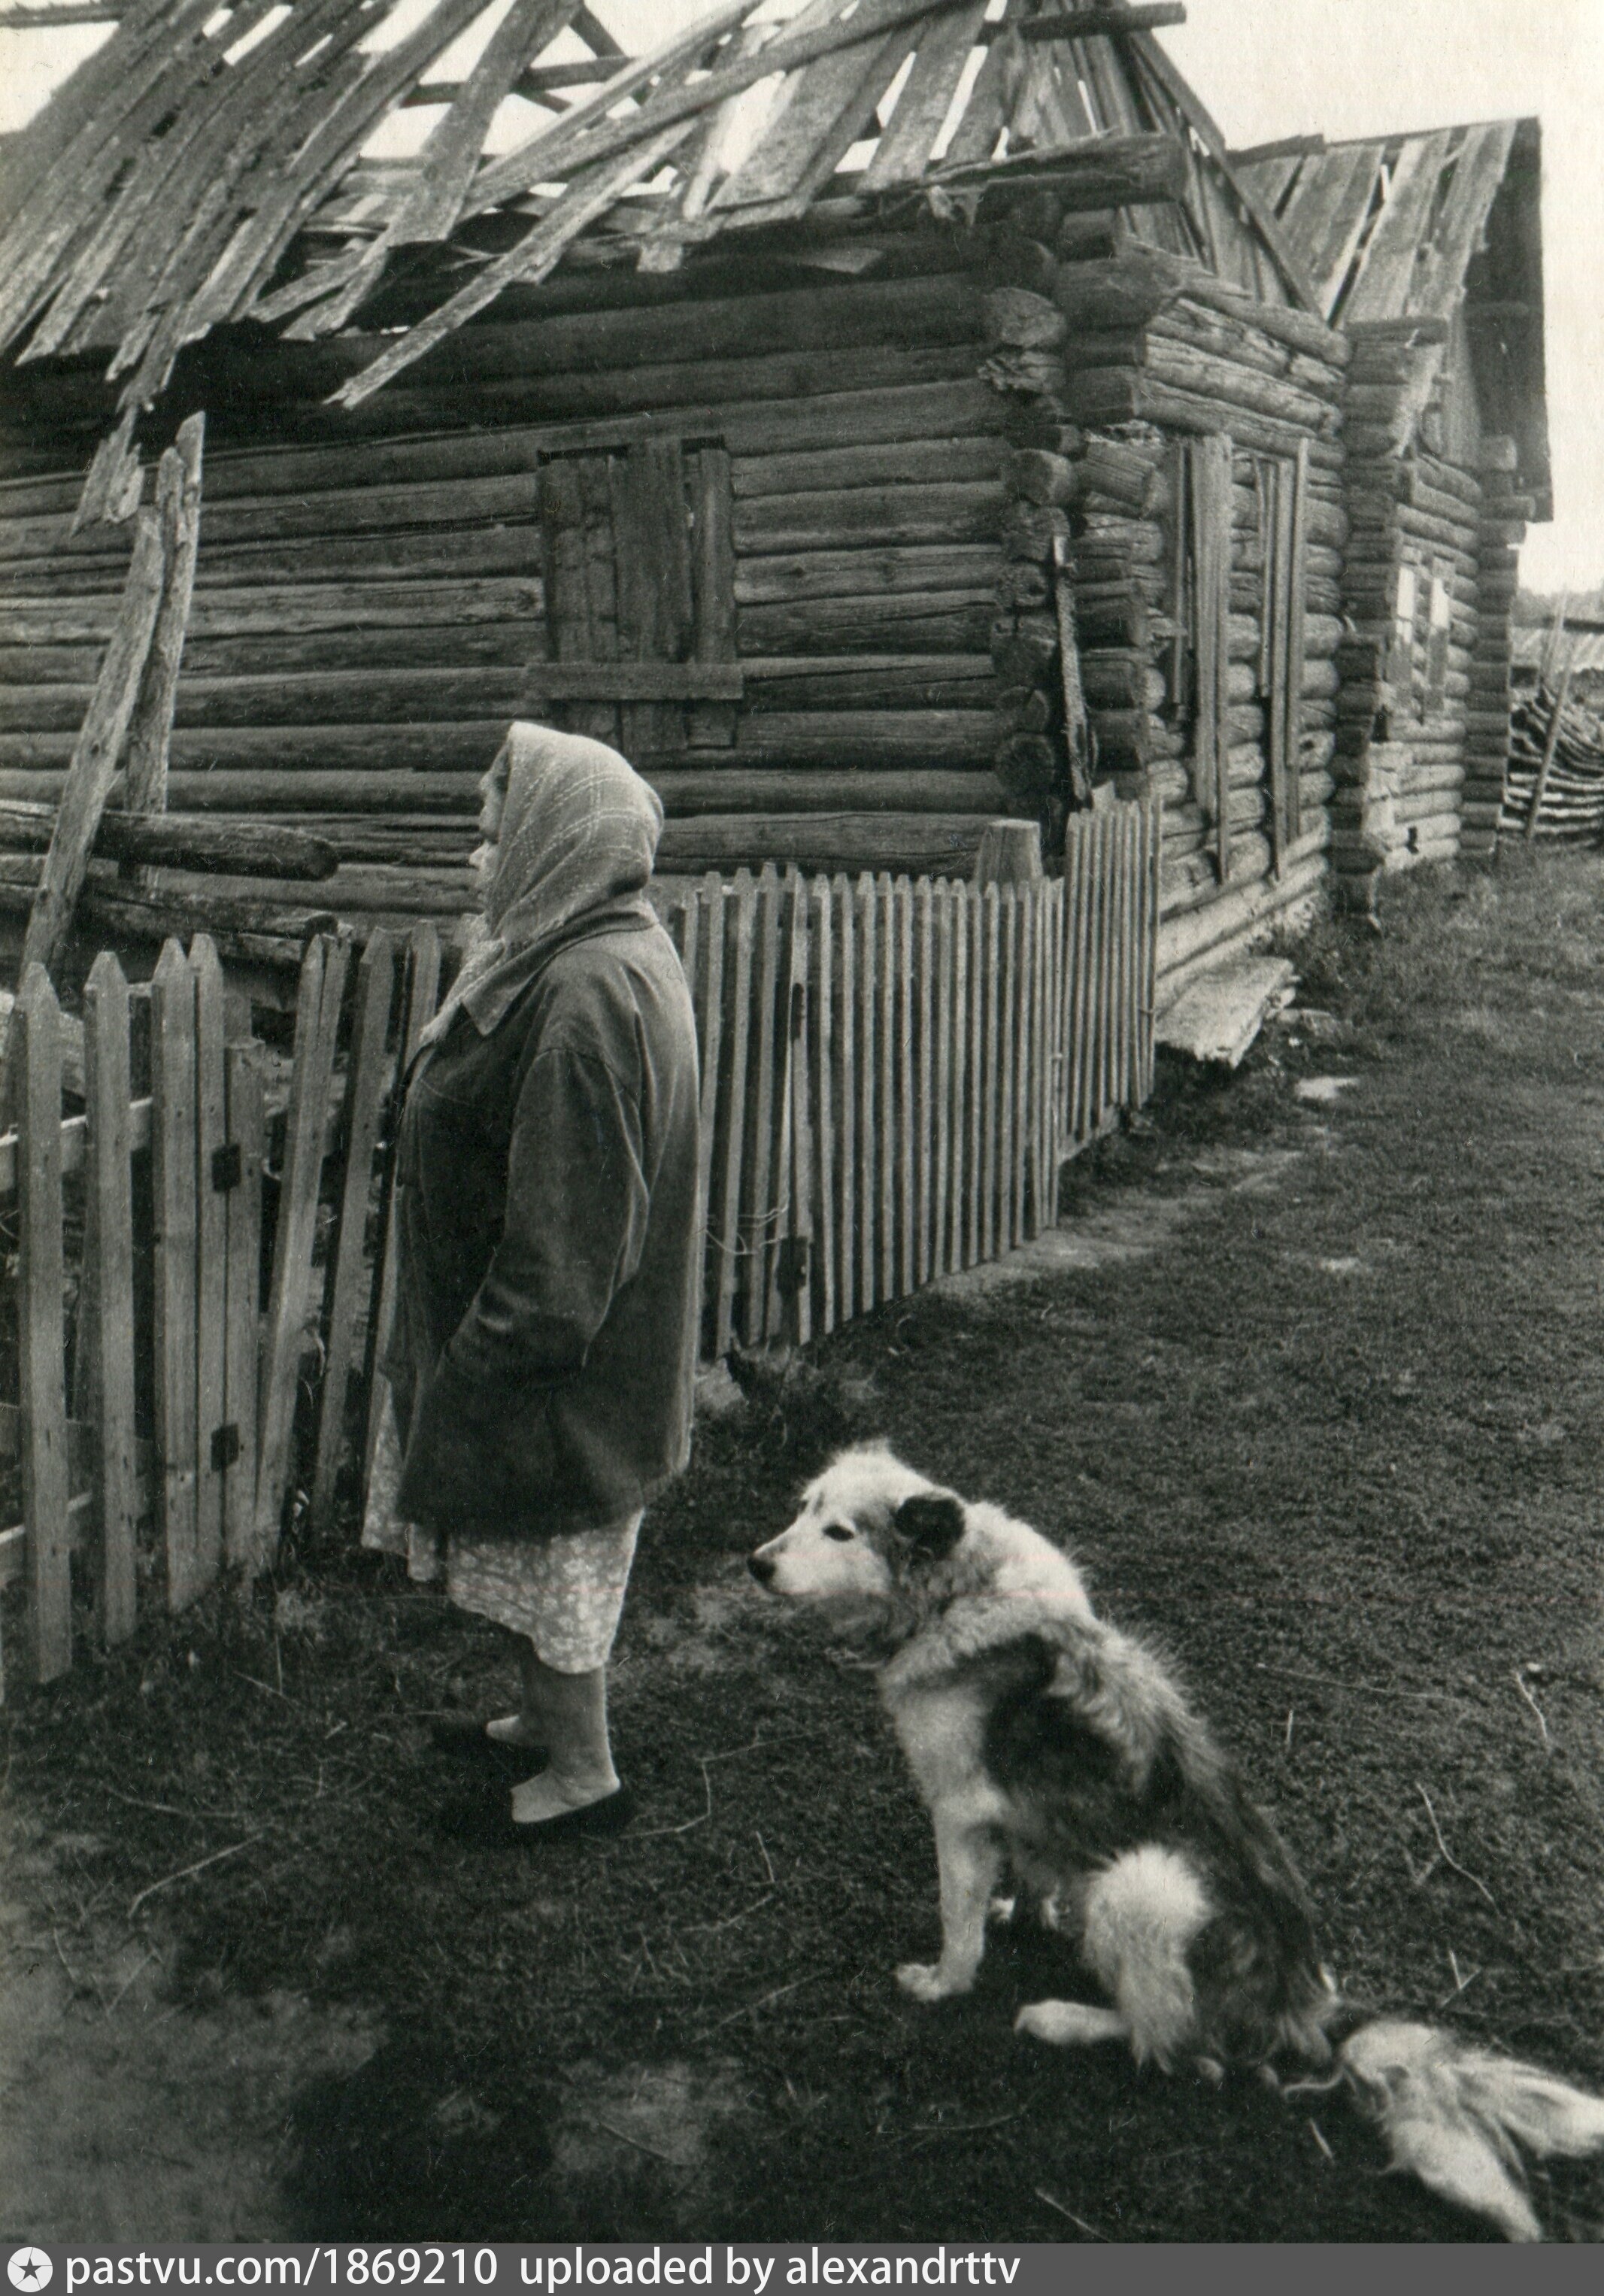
{"x": 550, "y": 1247}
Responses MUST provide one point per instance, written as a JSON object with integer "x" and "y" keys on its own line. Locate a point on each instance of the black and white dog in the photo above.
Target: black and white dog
{"x": 1050, "y": 1746}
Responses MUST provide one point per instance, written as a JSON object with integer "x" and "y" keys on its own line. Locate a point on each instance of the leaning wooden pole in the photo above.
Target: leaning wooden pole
{"x": 94, "y": 766}
{"x": 1549, "y": 749}
{"x": 178, "y": 511}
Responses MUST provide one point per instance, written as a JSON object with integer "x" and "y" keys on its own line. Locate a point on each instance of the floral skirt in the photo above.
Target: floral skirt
{"x": 565, "y": 1592}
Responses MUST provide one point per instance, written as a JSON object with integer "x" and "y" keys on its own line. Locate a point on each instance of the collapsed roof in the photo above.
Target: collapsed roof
{"x": 1443, "y": 227}
{"x": 207, "y": 164}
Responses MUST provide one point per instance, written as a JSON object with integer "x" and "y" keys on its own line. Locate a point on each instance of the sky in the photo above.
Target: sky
{"x": 1273, "y": 68}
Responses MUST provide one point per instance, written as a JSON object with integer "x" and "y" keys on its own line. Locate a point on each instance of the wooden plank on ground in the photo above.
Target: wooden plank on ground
{"x": 176, "y": 1242}
{"x": 246, "y": 1120}
{"x": 109, "y": 1247}
{"x": 369, "y": 1077}
{"x": 211, "y": 1259}
{"x": 317, "y": 1029}
{"x": 41, "y": 1328}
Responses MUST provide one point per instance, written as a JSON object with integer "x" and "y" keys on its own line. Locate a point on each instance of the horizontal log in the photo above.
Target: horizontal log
{"x": 292, "y": 611}
{"x": 940, "y": 621}
{"x": 731, "y": 790}
{"x": 1244, "y": 345}
{"x": 886, "y": 516}
{"x": 1109, "y": 395}
{"x": 168, "y": 839}
{"x": 423, "y": 554}
{"x": 871, "y": 682}
{"x": 378, "y": 697}
{"x": 920, "y": 844}
{"x": 1128, "y": 289}
{"x": 790, "y": 576}
{"x": 937, "y": 460}
{"x": 503, "y": 646}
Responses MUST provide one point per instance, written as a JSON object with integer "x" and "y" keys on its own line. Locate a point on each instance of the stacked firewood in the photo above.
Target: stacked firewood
{"x": 1573, "y": 795}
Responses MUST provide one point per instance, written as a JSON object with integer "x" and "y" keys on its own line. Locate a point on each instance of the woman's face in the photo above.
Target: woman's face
{"x": 492, "y": 805}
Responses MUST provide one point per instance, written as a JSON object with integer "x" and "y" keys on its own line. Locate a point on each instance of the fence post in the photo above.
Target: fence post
{"x": 108, "y": 1254}
{"x": 419, "y": 995}
{"x": 317, "y": 1031}
{"x": 175, "y": 1240}
{"x": 242, "y": 1355}
{"x": 35, "y": 1066}
{"x": 212, "y": 1447}
{"x": 369, "y": 1073}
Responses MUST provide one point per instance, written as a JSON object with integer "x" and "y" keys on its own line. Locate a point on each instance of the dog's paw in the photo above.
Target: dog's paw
{"x": 925, "y": 1981}
{"x": 1068, "y": 2024}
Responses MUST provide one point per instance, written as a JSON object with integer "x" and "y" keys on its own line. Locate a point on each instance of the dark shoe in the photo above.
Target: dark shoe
{"x": 491, "y": 1824}
{"x": 468, "y": 1740}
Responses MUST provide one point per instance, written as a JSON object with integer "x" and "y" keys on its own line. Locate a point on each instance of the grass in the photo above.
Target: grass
{"x": 1334, "y": 1443}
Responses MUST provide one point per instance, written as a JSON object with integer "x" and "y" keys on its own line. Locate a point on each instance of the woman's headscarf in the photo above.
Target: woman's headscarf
{"x": 578, "y": 835}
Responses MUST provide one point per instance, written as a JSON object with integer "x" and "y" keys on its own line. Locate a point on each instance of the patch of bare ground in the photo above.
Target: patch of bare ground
{"x": 1315, "y": 1385}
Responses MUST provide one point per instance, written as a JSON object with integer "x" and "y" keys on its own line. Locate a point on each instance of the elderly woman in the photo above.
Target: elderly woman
{"x": 548, "y": 1262}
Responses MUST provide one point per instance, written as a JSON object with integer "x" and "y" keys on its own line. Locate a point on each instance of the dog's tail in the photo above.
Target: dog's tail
{"x": 1459, "y": 2118}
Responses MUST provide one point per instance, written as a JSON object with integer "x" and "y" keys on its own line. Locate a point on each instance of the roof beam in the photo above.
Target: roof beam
{"x": 1087, "y": 23}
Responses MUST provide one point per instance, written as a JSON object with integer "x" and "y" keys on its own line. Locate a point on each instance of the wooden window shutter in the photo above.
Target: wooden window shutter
{"x": 1439, "y": 628}
{"x": 1283, "y": 498}
{"x": 1399, "y": 659}
{"x": 1210, "y": 519}
{"x": 640, "y": 596}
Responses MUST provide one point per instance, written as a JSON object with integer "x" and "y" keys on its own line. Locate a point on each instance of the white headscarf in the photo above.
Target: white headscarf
{"x": 578, "y": 835}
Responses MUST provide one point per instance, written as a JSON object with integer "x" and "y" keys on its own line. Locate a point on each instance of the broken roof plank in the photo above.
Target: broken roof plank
{"x": 832, "y": 102}
{"x": 906, "y": 145}
{"x": 1482, "y": 162}
{"x": 446, "y": 164}
{"x": 1075, "y": 23}
{"x": 545, "y": 156}
{"x": 1387, "y": 268}
{"x": 64, "y": 198}
{"x": 533, "y": 258}
{"x": 449, "y": 160}
{"x": 209, "y": 144}
{"x": 1326, "y": 215}
{"x": 1181, "y": 93}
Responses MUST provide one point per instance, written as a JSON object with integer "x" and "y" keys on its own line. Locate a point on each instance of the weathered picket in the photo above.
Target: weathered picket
{"x": 891, "y": 1074}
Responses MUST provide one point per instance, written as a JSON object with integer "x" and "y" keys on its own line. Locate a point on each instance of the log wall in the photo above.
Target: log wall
{"x": 1424, "y": 707}
{"x": 369, "y": 614}
{"x": 1102, "y": 406}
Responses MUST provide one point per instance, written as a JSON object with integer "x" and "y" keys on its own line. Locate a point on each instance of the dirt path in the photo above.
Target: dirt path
{"x": 1312, "y": 1377}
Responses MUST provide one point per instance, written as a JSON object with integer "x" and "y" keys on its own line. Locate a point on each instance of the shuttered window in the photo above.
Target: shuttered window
{"x": 640, "y": 594}
{"x": 1282, "y": 489}
{"x": 1200, "y": 680}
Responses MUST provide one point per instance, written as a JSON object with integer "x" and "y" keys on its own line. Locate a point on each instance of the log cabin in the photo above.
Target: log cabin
{"x": 873, "y": 421}
{"x": 1427, "y": 252}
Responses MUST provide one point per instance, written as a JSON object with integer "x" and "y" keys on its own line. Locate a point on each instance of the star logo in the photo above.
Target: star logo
{"x": 30, "y": 2269}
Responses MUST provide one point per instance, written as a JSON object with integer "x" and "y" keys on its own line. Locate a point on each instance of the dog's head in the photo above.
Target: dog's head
{"x": 869, "y": 1532}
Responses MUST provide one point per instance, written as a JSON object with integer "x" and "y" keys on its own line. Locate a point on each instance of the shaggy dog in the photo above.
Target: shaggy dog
{"x": 1050, "y": 1745}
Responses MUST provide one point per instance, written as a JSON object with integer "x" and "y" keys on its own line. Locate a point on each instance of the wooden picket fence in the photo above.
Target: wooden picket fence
{"x": 892, "y": 1073}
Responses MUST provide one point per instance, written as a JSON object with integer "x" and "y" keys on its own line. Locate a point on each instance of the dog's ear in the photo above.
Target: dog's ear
{"x": 932, "y": 1522}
